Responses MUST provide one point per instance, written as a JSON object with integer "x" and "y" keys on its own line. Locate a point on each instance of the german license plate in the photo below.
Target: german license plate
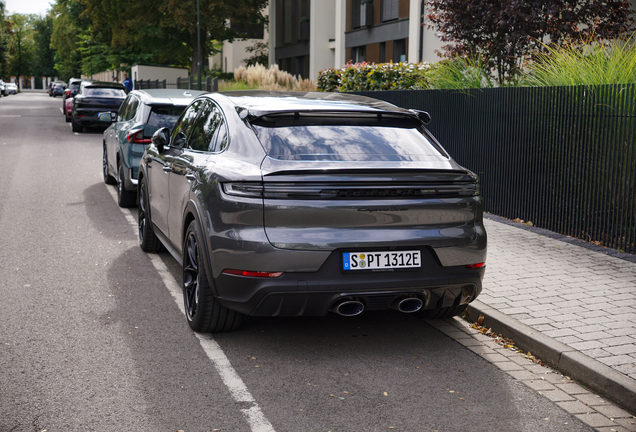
{"x": 381, "y": 260}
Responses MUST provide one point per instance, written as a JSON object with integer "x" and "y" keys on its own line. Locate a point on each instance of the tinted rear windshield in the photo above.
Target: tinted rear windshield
{"x": 103, "y": 92}
{"x": 358, "y": 139}
{"x": 164, "y": 116}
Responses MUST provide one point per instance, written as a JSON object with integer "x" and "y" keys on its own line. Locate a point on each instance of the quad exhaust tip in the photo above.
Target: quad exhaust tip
{"x": 408, "y": 304}
{"x": 348, "y": 307}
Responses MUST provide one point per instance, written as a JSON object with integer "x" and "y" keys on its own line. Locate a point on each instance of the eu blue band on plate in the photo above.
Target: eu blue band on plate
{"x": 345, "y": 261}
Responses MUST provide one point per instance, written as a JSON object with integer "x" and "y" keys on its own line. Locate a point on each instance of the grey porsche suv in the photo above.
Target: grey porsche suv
{"x": 297, "y": 204}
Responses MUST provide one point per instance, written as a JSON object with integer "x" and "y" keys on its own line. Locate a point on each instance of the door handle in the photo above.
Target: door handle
{"x": 167, "y": 169}
{"x": 191, "y": 177}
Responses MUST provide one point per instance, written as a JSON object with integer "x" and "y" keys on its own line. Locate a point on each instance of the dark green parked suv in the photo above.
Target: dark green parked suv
{"x": 140, "y": 115}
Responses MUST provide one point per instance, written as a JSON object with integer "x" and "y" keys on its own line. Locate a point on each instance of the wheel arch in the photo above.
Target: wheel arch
{"x": 190, "y": 214}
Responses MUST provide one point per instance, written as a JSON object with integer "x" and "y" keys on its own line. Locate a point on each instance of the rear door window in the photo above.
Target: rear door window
{"x": 210, "y": 134}
{"x": 184, "y": 125}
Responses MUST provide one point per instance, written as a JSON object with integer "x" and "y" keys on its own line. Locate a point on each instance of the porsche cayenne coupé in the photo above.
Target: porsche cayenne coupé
{"x": 297, "y": 204}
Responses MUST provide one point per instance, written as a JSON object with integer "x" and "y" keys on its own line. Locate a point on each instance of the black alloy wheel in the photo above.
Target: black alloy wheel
{"x": 148, "y": 241}
{"x": 75, "y": 127}
{"x": 203, "y": 311}
{"x": 125, "y": 198}
{"x": 108, "y": 179}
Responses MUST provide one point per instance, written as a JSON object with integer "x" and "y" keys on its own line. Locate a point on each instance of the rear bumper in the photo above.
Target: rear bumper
{"x": 305, "y": 294}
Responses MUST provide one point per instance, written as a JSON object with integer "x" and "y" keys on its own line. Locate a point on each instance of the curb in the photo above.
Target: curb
{"x": 598, "y": 377}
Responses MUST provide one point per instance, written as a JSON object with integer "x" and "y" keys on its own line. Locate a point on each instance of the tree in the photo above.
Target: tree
{"x": 68, "y": 25}
{"x": 5, "y": 42}
{"x": 44, "y": 55}
{"x": 21, "y": 53}
{"x": 505, "y": 33}
{"x": 260, "y": 54}
{"x": 166, "y": 32}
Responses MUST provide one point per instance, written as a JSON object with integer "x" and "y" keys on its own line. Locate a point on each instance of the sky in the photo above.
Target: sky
{"x": 27, "y": 6}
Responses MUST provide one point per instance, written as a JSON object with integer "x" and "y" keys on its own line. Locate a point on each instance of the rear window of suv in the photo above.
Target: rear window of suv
{"x": 164, "y": 115}
{"x": 103, "y": 92}
{"x": 346, "y": 139}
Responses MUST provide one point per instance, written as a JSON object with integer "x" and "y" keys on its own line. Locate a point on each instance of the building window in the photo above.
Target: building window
{"x": 382, "y": 52}
{"x": 300, "y": 66}
{"x": 390, "y": 10}
{"x": 399, "y": 50}
{"x": 359, "y": 54}
{"x": 287, "y": 21}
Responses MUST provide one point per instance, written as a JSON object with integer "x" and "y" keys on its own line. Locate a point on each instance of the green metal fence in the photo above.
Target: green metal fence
{"x": 561, "y": 157}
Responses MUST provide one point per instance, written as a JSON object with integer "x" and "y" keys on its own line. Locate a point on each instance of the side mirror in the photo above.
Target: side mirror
{"x": 106, "y": 117}
{"x": 161, "y": 138}
{"x": 423, "y": 116}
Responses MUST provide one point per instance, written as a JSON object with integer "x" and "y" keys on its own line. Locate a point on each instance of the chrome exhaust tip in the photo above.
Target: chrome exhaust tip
{"x": 408, "y": 304}
{"x": 348, "y": 308}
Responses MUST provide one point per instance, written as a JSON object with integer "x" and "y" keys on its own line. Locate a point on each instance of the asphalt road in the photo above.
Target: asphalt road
{"x": 92, "y": 339}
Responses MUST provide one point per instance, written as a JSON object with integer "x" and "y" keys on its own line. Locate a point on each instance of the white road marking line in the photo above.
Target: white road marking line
{"x": 237, "y": 388}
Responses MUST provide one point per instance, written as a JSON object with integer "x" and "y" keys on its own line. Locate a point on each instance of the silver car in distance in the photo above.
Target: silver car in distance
{"x": 297, "y": 204}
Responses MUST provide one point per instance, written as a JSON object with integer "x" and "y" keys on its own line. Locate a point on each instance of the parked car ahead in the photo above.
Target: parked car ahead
{"x": 57, "y": 89}
{"x": 11, "y": 88}
{"x": 3, "y": 88}
{"x": 69, "y": 94}
{"x": 68, "y": 109}
{"x": 140, "y": 115}
{"x": 290, "y": 204}
{"x": 70, "y": 91}
{"x": 93, "y": 98}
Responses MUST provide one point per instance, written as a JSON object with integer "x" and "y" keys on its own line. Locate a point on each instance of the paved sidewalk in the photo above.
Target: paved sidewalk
{"x": 573, "y": 307}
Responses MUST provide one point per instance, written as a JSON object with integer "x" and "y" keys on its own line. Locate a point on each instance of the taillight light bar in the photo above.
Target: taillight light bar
{"x": 478, "y": 265}
{"x": 330, "y": 191}
{"x": 252, "y": 273}
{"x": 136, "y": 136}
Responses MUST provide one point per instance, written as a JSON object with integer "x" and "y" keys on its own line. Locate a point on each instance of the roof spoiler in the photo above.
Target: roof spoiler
{"x": 245, "y": 114}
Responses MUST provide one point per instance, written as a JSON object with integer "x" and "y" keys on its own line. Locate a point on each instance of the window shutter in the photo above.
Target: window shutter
{"x": 355, "y": 14}
{"x": 390, "y": 9}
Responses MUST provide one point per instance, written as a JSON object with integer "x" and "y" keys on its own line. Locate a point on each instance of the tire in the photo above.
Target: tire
{"x": 203, "y": 311}
{"x": 75, "y": 127}
{"x": 108, "y": 179}
{"x": 68, "y": 119}
{"x": 442, "y": 313}
{"x": 125, "y": 198}
{"x": 148, "y": 241}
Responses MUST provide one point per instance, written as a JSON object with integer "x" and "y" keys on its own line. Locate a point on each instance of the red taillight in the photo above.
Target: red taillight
{"x": 68, "y": 93}
{"x": 137, "y": 137}
{"x": 478, "y": 265}
{"x": 252, "y": 273}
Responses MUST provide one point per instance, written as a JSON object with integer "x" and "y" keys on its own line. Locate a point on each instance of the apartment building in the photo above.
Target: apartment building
{"x": 307, "y": 36}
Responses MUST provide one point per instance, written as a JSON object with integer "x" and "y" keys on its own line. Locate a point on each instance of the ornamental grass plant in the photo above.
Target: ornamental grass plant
{"x": 272, "y": 78}
{"x": 593, "y": 63}
{"x": 460, "y": 73}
